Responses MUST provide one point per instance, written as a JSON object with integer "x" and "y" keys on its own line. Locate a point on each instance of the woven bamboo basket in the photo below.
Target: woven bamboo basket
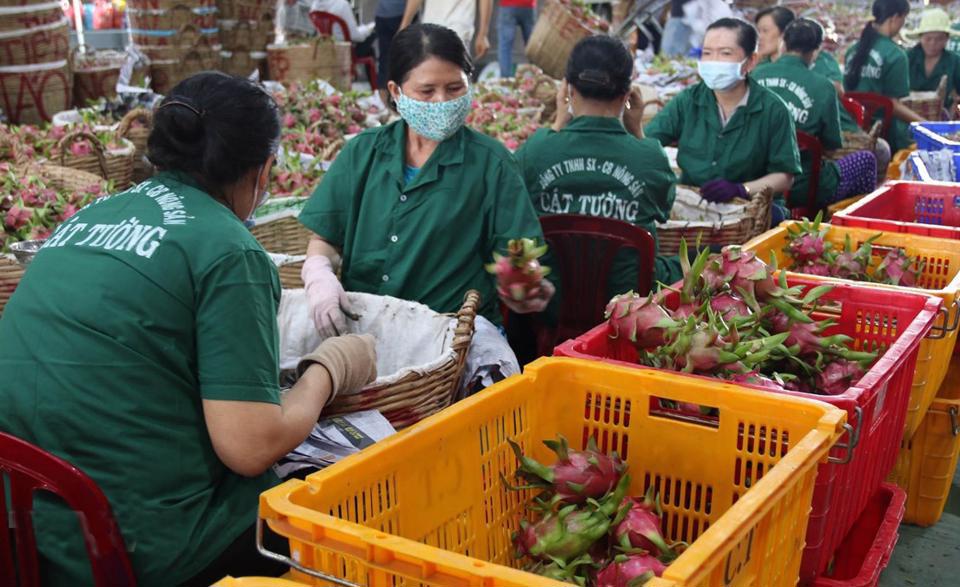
{"x": 287, "y": 236}
{"x": 857, "y": 141}
{"x": 418, "y": 395}
{"x": 167, "y": 4}
{"x": 754, "y": 221}
{"x": 138, "y": 135}
{"x": 32, "y": 94}
{"x": 114, "y": 165}
{"x": 185, "y": 38}
{"x": 10, "y": 274}
{"x": 246, "y": 9}
{"x": 166, "y": 73}
{"x": 39, "y": 44}
{"x": 97, "y": 80}
{"x": 929, "y": 105}
{"x": 182, "y": 15}
{"x": 242, "y": 63}
{"x": 24, "y": 17}
{"x": 252, "y": 35}
{"x": 553, "y": 38}
{"x": 323, "y": 58}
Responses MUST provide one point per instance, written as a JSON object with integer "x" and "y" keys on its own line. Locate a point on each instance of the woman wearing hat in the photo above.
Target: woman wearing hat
{"x": 929, "y": 59}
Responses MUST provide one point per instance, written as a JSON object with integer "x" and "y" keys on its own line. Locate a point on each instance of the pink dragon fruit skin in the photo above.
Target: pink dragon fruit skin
{"x": 729, "y": 306}
{"x": 640, "y": 528}
{"x": 847, "y": 265}
{"x": 818, "y": 267}
{"x": 577, "y": 475}
{"x": 897, "y": 269}
{"x": 807, "y": 248}
{"x": 839, "y": 376}
{"x": 18, "y": 217}
{"x": 642, "y": 320}
{"x": 754, "y": 378}
{"x": 630, "y": 571}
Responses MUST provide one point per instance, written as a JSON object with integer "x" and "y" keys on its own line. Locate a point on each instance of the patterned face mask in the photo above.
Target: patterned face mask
{"x": 436, "y": 121}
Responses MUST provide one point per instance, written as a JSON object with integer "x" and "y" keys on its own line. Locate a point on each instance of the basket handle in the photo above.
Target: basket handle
{"x": 141, "y": 114}
{"x": 73, "y": 136}
{"x": 263, "y": 550}
{"x": 463, "y": 333}
{"x": 854, "y": 435}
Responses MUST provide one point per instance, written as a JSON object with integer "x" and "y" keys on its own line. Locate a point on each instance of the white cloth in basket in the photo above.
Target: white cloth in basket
{"x": 689, "y": 209}
{"x": 410, "y": 336}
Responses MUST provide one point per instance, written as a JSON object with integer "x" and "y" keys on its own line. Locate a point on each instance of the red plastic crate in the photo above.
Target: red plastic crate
{"x": 866, "y": 550}
{"x": 923, "y": 209}
{"x": 876, "y": 406}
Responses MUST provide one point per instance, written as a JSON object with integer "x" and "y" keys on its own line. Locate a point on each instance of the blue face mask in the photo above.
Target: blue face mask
{"x": 720, "y": 75}
{"x": 436, "y": 121}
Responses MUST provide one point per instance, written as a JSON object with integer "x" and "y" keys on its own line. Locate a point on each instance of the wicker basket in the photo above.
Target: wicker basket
{"x": 185, "y": 38}
{"x": 167, "y": 73}
{"x": 754, "y": 221}
{"x": 251, "y": 35}
{"x": 91, "y": 83}
{"x": 286, "y": 236}
{"x": 32, "y": 94}
{"x": 146, "y": 19}
{"x": 138, "y": 135}
{"x": 553, "y": 38}
{"x": 24, "y": 17}
{"x": 324, "y": 58}
{"x": 114, "y": 165}
{"x": 10, "y": 274}
{"x": 857, "y": 141}
{"x": 418, "y": 395}
{"x": 40, "y": 44}
{"x": 168, "y": 4}
{"x": 242, "y": 63}
{"x": 246, "y": 9}
{"x": 929, "y": 105}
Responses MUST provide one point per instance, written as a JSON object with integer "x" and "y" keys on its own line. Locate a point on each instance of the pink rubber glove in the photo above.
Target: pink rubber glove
{"x": 325, "y": 296}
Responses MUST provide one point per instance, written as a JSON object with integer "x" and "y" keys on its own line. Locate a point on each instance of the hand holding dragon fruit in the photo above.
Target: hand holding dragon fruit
{"x": 519, "y": 273}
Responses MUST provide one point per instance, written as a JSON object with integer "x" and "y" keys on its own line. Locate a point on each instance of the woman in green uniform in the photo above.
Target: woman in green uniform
{"x": 812, "y": 100}
{"x": 876, "y": 64}
{"x": 771, "y": 24}
{"x": 416, "y": 208}
{"x": 929, "y": 59}
{"x": 735, "y": 137}
{"x": 593, "y": 164}
{"x": 141, "y": 346}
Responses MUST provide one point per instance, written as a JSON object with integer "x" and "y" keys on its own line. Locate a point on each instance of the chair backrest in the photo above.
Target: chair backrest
{"x": 325, "y": 21}
{"x": 584, "y": 248}
{"x": 872, "y": 103}
{"x": 27, "y": 469}
{"x": 855, "y": 109}
{"x": 811, "y": 145}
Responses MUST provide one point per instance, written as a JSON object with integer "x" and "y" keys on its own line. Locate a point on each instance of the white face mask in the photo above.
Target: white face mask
{"x": 260, "y": 198}
{"x": 721, "y": 75}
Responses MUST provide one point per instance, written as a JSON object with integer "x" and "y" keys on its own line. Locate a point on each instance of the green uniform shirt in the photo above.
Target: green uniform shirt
{"x": 887, "y": 72}
{"x": 953, "y": 43}
{"x": 428, "y": 240}
{"x": 813, "y": 102}
{"x": 135, "y": 310}
{"x": 948, "y": 65}
{"x": 758, "y": 140}
{"x": 594, "y": 167}
{"x": 827, "y": 66}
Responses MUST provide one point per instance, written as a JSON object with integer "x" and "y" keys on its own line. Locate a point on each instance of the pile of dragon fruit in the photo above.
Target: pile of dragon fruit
{"x": 584, "y": 529}
{"x": 813, "y": 254}
{"x": 28, "y": 142}
{"x": 510, "y": 119}
{"x": 31, "y": 209}
{"x": 730, "y": 318}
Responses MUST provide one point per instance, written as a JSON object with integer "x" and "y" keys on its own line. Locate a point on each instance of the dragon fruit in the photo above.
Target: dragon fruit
{"x": 727, "y": 305}
{"x": 640, "y": 527}
{"x": 740, "y": 271}
{"x": 643, "y": 320}
{"x": 18, "y": 217}
{"x": 838, "y": 376}
{"x": 808, "y": 242}
{"x": 577, "y": 475}
{"x": 631, "y": 570}
{"x": 81, "y": 149}
{"x": 572, "y": 572}
{"x": 519, "y": 273}
{"x": 898, "y": 268}
{"x": 571, "y": 532}
{"x": 757, "y": 379}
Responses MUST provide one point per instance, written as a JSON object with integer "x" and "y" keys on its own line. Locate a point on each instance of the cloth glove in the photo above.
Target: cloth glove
{"x": 326, "y": 299}
{"x": 351, "y": 361}
{"x": 536, "y": 301}
{"x": 721, "y": 191}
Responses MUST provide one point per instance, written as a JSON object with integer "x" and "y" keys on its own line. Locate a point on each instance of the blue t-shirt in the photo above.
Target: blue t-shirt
{"x": 390, "y": 8}
{"x": 409, "y": 172}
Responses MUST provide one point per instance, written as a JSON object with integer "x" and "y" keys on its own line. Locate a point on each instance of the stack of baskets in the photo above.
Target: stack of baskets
{"x": 552, "y": 40}
{"x": 95, "y": 74}
{"x": 929, "y": 105}
{"x": 322, "y": 58}
{"x": 180, "y": 37}
{"x": 35, "y": 80}
{"x": 246, "y": 28}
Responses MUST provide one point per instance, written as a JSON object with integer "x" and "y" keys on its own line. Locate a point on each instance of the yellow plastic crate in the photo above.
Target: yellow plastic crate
{"x": 427, "y": 506}
{"x": 940, "y": 277}
{"x": 256, "y": 582}
{"x": 927, "y": 462}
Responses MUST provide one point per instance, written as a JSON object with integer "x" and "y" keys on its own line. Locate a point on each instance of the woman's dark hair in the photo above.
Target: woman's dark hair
{"x": 746, "y": 33}
{"x": 803, "y": 36}
{"x": 883, "y": 10}
{"x": 600, "y": 68}
{"x": 419, "y": 42}
{"x": 782, "y": 16}
{"x": 214, "y": 127}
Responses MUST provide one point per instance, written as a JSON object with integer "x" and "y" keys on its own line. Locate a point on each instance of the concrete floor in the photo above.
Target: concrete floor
{"x": 928, "y": 557}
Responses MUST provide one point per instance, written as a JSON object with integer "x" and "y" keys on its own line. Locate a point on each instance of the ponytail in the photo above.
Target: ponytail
{"x": 854, "y": 68}
{"x": 883, "y": 10}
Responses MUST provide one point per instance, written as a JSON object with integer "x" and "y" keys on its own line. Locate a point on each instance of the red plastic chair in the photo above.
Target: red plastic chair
{"x": 810, "y": 144}
{"x": 27, "y": 469}
{"x": 871, "y": 104}
{"x": 583, "y": 249}
{"x": 324, "y": 23}
{"x": 856, "y": 109}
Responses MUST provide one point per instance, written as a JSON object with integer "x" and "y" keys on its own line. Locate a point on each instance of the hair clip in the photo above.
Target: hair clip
{"x": 594, "y": 76}
{"x": 199, "y": 112}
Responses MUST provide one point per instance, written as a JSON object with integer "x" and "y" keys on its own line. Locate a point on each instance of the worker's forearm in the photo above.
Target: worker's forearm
{"x": 777, "y": 182}
{"x": 318, "y": 246}
{"x": 901, "y": 111}
{"x": 413, "y": 6}
{"x": 301, "y": 406}
{"x": 486, "y": 10}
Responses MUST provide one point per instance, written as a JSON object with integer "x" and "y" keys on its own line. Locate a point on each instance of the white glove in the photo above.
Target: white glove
{"x": 326, "y": 299}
